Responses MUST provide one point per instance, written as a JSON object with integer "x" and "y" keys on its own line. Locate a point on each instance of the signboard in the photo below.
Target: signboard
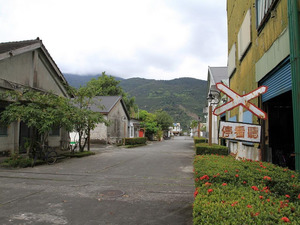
{"x": 243, "y": 100}
{"x": 240, "y": 131}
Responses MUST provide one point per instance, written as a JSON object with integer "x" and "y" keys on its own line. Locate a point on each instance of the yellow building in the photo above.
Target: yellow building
{"x": 259, "y": 54}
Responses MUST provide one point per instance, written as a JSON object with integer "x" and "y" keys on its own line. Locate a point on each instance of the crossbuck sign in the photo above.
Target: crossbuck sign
{"x": 240, "y": 100}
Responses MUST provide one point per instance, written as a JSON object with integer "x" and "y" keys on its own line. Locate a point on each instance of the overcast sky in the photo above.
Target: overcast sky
{"x": 153, "y": 39}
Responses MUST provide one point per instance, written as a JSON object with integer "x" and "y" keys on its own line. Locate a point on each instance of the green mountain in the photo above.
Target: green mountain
{"x": 183, "y": 98}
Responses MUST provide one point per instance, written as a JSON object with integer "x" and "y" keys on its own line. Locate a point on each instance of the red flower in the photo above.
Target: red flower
{"x": 287, "y": 196}
{"x": 197, "y": 179}
{"x": 236, "y": 170}
{"x": 195, "y": 193}
{"x": 261, "y": 197}
{"x": 204, "y": 177}
{"x": 224, "y": 184}
{"x": 233, "y": 204}
{"x": 249, "y": 206}
{"x": 285, "y": 219}
{"x": 293, "y": 176}
{"x": 299, "y": 196}
{"x": 268, "y": 200}
{"x": 226, "y": 171}
{"x": 256, "y": 214}
{"x": 210, "y": 190}
{"x": 207, "y": 184}
{"x": 236, "y": 175}
{"x": 267, "y": 178}
{"x": 244, "y": 182}
{"x": 255, "y": 188}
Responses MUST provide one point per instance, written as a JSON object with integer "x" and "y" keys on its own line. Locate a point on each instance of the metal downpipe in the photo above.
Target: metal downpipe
{"x": 293, "y": 18}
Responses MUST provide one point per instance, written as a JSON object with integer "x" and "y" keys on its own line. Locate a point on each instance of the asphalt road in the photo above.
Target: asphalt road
{"x": 152, "y": 184}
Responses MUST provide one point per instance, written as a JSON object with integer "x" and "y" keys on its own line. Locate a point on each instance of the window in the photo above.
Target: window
{"x": 231, "y": 60}
{"x": 263, "y": 9}
{"x": 3, "y": 130}
{"x": 244, "y": 36}
{"x": 3, "y": 127}
{"x": 55, "y": 131}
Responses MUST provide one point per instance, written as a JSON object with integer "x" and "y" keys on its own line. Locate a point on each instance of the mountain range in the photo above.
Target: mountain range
{"x": 183, "y": 98}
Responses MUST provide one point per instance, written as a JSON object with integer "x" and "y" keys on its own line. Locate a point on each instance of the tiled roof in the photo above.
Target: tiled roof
{"x": 104, "y": 104}
{"x": 9, "y": 46}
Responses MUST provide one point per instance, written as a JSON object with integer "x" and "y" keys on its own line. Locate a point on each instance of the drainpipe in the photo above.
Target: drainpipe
{"x": 294, "y": 35}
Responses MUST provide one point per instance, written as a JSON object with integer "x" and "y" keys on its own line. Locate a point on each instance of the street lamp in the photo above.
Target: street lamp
{"x": 212, "y": 100}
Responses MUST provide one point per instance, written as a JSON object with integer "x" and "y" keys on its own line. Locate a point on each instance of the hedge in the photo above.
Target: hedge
{"x": 135, "y": 141}
{"x": 204, "y": 148}
{"x": 229, "y": 191}
{"x": 198, "y": 140}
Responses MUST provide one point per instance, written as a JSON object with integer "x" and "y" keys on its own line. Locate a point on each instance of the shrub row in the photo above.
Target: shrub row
{"x": 244, "y": 192}
{"x": 135, "y": 141}
{"x": 198, "y": 140}
{"x": 204, "y": 148}
{"x": 78, "y": 154}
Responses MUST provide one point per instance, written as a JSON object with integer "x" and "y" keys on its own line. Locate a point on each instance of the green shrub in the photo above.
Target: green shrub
{"x": 79, "y": 154}
{"x": 244, "y": 192}
{"x": 135, "y": 141}
{"x": 204, "y": 148}
{"x": 198, "y": 140}
{"x": 17, "y": 160}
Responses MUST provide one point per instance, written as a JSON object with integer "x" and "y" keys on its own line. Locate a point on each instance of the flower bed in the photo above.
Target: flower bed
{"x": 204, "y": 148}
{"x": 244, "y": 192}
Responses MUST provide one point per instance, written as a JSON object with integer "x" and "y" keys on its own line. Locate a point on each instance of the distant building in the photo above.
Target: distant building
{"x": 215, "y": 75}
{"x": 114, "y": 110}
{"x": 176, "y": 129}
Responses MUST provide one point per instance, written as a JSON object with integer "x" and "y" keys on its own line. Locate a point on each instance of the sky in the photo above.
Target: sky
{"x": 152, "y": 39}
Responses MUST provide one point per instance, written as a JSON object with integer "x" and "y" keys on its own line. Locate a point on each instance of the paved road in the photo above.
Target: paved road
{"x": 145, "y": 185}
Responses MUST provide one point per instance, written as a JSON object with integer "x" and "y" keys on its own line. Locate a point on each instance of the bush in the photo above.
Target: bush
{"x": 79, "y": 154}
{"x": 198, "y": 140}
{"x": 17, "y": 161}
{"x": 244, "y": 192}
{"x": 204, "y": 148}
{"x": 135, "y": 141}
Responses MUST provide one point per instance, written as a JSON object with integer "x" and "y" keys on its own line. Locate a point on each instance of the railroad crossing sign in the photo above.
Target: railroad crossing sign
{"x": 243, "y": 100}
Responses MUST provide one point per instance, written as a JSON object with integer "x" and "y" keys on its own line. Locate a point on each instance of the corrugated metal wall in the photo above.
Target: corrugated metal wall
{"x": 279, "y": 81}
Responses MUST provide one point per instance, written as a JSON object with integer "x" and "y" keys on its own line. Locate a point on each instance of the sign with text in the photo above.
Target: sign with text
{"x": 240, "y": 131}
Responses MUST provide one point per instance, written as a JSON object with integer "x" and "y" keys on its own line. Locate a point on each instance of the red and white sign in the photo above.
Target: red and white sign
{"x": 240, "y": 131}
{"x": 243, "y": 100}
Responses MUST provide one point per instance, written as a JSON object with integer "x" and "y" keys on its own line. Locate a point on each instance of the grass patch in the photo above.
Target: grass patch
{"x": 18, "y": 161}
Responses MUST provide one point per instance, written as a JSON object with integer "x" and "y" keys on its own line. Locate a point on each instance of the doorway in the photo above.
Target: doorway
{"x": 281, "y": 129}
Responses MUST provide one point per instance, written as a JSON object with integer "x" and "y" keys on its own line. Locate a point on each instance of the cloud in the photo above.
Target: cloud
{"x": 159, "y": 39}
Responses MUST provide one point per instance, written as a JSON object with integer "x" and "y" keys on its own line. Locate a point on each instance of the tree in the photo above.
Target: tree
{"x": 149, "y": 122}
{"x": 108, "y": 86}
{"x": 38, "y": 110}
{"x": 105, "y": 86}
{"x": 164, "y": 120}
{"x": 194, "y": 124}
{"x": 83, "y": 119}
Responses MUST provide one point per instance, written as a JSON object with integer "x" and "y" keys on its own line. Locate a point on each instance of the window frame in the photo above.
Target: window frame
{"x": 266, "y": 16}
{"x": 3, "y": 127}
{"x": 55, "y": 131}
